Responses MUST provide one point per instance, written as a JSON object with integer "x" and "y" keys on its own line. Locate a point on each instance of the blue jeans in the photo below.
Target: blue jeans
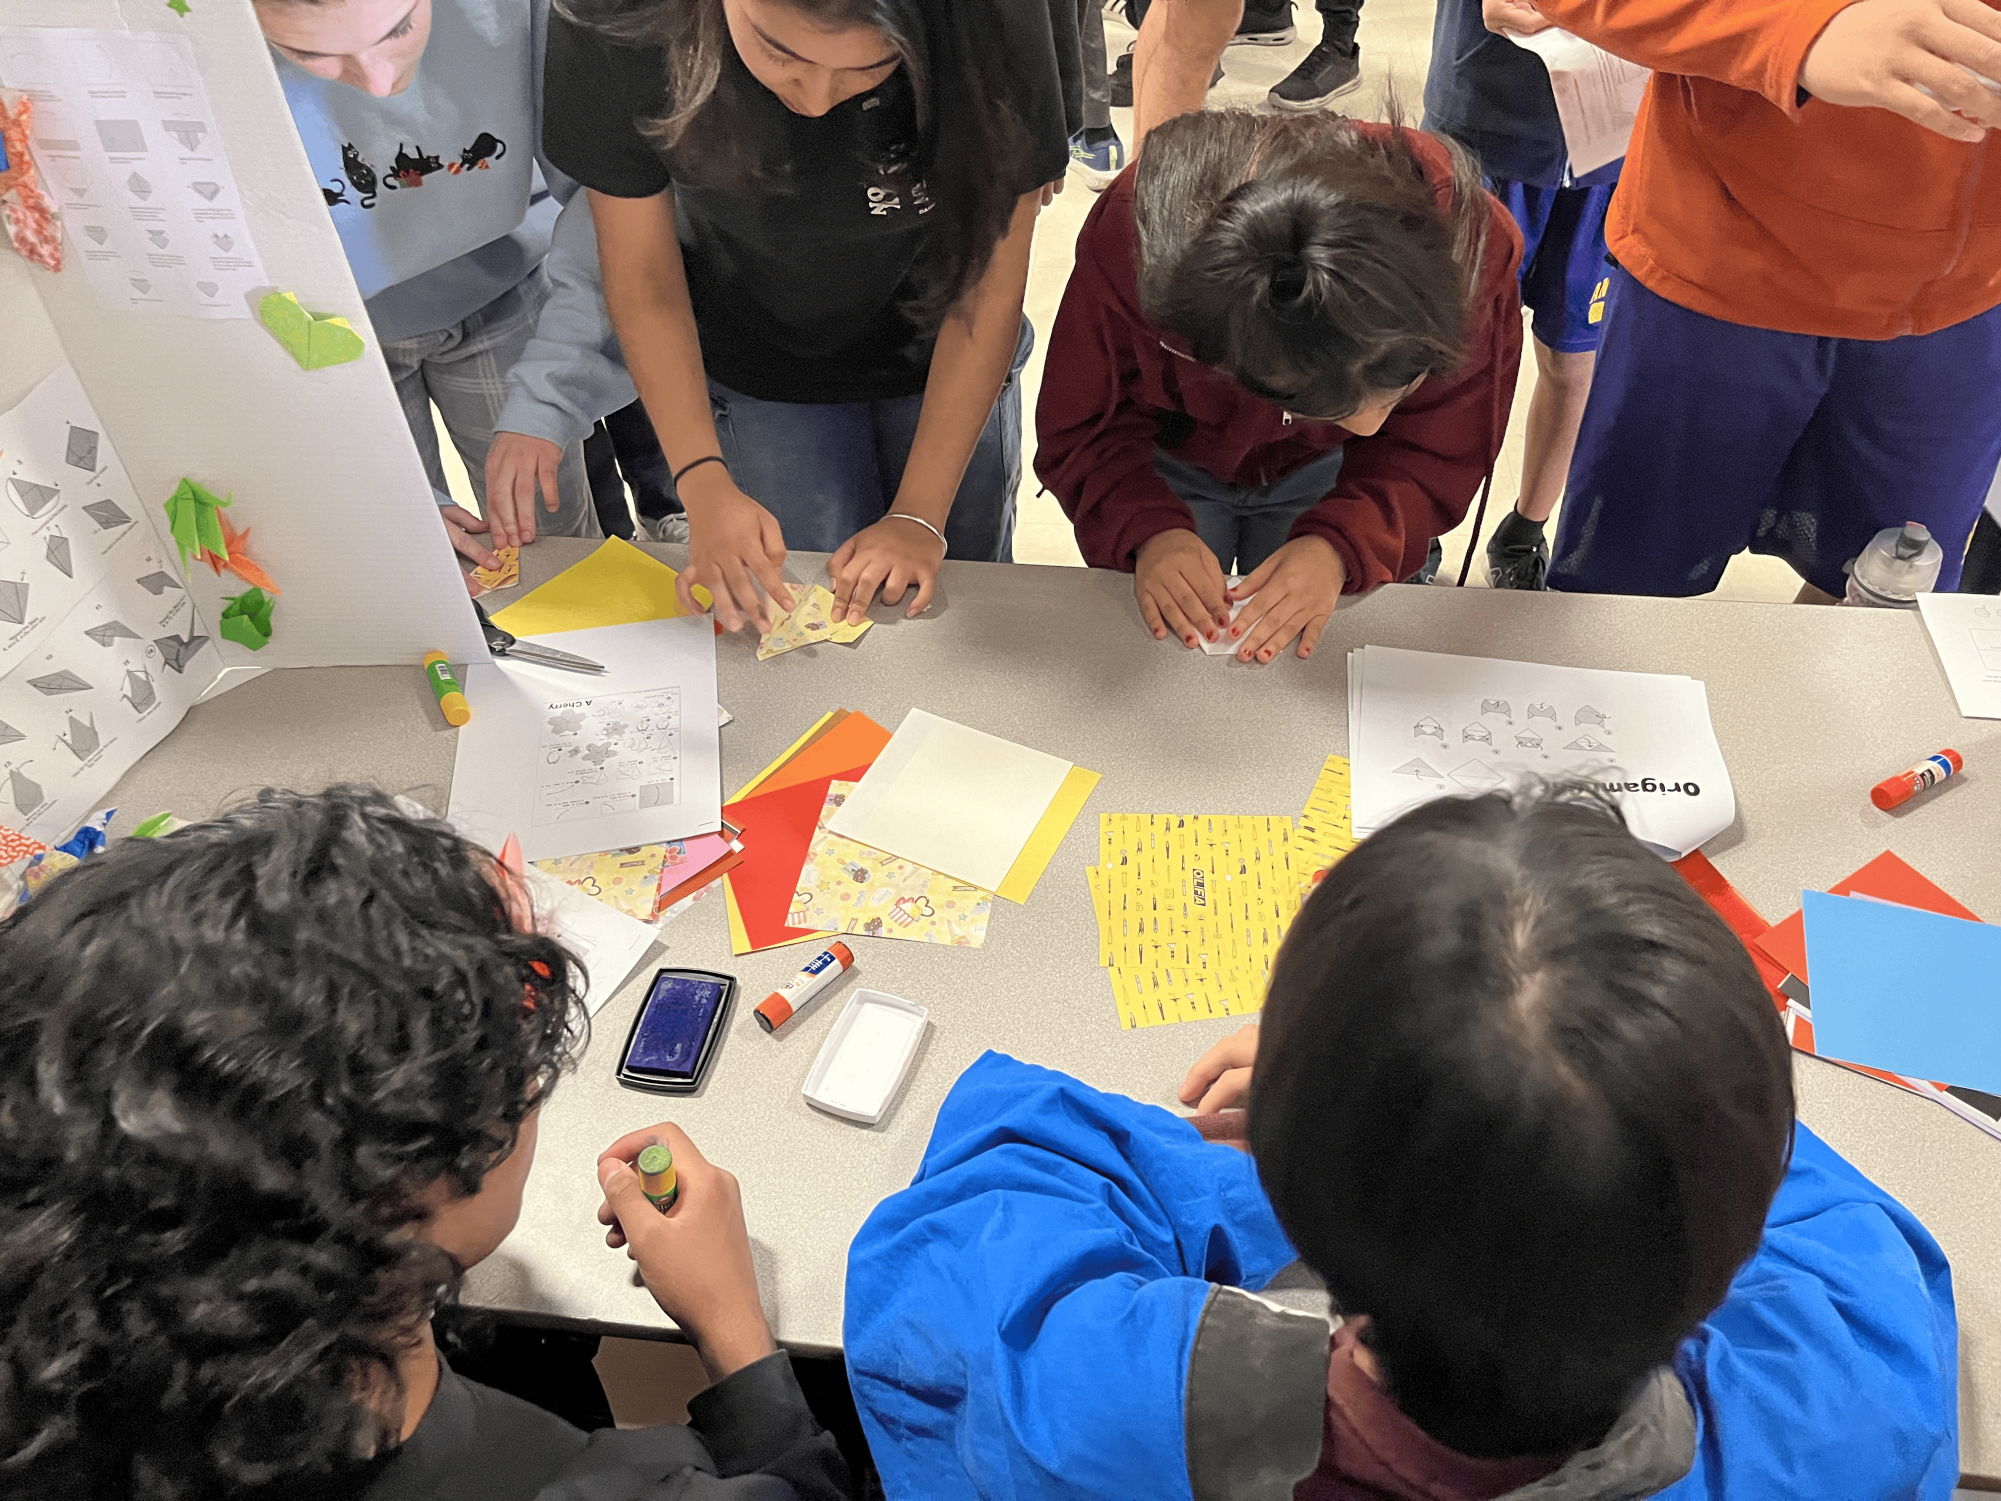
{"x": 1245, "y": 524}
{"x": 826, "y": 470}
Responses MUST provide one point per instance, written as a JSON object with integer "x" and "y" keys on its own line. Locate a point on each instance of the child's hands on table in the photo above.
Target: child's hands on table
{"x": 736, "y": 550}
{"x": 1291, "y": 594}
{"x": 1221, "y": 1077}
{"x": 893, "y": 556}
{"x": 1180, "y": 588}
{"x": 516, "y": 465}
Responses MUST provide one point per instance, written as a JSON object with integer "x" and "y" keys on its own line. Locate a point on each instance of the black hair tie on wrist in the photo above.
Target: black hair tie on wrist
{"x": 714, "y": 458}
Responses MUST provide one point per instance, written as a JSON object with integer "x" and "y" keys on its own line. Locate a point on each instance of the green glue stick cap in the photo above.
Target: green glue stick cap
{"x": 655, "y": 1160}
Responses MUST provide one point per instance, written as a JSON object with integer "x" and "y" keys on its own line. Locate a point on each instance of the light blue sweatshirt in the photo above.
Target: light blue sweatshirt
{"x": 443, "y": 203}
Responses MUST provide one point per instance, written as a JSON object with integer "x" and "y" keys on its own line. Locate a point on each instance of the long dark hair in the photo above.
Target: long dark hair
{"x": 974, "y": 151}
{"x": 1522, "y": 1099}
{"x": 231, "y": 1062}
{"x": 1308, "y": 258}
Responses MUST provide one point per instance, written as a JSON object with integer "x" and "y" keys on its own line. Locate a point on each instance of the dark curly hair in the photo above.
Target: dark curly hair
{"x": 231, "y": 1062}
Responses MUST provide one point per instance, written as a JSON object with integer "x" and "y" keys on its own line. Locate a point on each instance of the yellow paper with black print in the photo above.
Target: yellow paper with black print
{"x": 850, "y": 888}
{"x": 627, "y": 879}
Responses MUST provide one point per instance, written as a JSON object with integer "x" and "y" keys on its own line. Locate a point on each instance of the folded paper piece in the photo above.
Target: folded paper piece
{"x": 1904, "y": 990}
{"x": 314, "y": 340}
{"x": 236, "y": 558}
{"x": 616, "y": 585}
{"x": 779, "y": 812}
{"x": 246, "y": 619}
{"x": 810, "y": 619}
{"x": 967, "y": 803}
{"x": 627, "y": 880}
{"x": 847, "y": 887}
{"x": 157, "y": 825}
{"x": 17, "y": 846}
{"x": 1192, "y": 908}
{"x": 194, "y": 516}
{"x": 32, "y": 226}
{"x": 691, "y": 864}
{"x": 506, "y": 576}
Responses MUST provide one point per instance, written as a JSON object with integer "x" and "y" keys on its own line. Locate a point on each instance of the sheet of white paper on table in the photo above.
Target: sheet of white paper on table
{"x": 575, "y": 763}
{"x": 1423, "y": 725}
{"x": 1226, "y": 643}
{"x": 1966, "y": 633}
{"x": 1597, "y": 95}
{"x": 102, "y": 647}
{"x": 609, "y": 944}
{"x": 956, "y": 799}
{"x": 128, "y": 148}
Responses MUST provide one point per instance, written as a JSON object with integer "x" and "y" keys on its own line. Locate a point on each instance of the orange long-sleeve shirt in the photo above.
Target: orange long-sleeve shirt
{"x": 1740, "y": 203}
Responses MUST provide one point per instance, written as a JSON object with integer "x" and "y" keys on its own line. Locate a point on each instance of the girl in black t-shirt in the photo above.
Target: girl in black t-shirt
{"x": 814, "y": 220}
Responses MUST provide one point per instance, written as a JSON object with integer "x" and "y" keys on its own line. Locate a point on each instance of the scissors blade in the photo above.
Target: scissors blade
{"x": 548, "y": 656}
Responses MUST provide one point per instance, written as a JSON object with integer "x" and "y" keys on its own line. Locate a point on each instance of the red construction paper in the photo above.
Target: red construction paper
{"x": 1886, "y": 878}
{"x": 778, "y": 833}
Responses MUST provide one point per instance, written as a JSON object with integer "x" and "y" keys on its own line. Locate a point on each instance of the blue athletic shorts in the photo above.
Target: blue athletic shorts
{"x": 1565, "y": 273}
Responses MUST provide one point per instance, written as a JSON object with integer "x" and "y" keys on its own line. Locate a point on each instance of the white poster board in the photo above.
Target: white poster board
{"x": 320, "y": 464}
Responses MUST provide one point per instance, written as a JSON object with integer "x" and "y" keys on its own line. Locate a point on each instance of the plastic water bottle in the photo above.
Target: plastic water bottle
{"x": 1899, "y": 564}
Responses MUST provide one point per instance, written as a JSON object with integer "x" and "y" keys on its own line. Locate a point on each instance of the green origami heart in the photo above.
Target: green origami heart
{"x": 246, "y": 619}
{"x": 314, "y": 342}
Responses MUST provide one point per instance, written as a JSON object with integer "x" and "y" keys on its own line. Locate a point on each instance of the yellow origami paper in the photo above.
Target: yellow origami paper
{"x": 616, "y": 585}
{"x": 506, "y": 576}
{"x": 810, "y": 619}
{"x": 626, "y": 879}
{"x": 846, "y": 887}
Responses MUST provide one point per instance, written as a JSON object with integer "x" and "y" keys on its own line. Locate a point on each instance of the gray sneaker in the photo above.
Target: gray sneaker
{"x": 672, "y": 528}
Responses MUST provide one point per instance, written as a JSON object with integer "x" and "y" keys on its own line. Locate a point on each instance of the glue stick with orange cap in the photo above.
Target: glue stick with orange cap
{"x": 786, "y": 1002}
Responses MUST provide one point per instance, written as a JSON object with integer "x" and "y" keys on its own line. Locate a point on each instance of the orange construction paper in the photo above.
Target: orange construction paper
{"x": 1745, "y": 920}
{"x": 856, "y": 740}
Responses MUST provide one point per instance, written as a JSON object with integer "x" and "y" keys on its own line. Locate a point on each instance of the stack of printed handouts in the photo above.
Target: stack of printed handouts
{"x": 1423, "y": 725}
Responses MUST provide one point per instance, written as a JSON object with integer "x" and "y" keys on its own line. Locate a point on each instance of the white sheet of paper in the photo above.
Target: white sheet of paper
{"x": 128, "y": 147}
{"x": 102, "y": 649}
{"x": 956, "y": 799}
{"x": 609, "y": 943}
{"x": 1423, "y": 725}
{"x": 1966, "y": 634}
{"x": 1597, "y": 95}
{"x": 1223, "y": 646}
{"x": 576, "y": 763}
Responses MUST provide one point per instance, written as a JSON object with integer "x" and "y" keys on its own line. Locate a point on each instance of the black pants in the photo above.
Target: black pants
{"x": 1339, "y": 19}
{"x": 622, "y": 452}
{"x": 1982, "y": 574}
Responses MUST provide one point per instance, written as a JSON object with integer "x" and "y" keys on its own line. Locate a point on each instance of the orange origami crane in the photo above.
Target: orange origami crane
{"x": 32, "y": 226}
{"x": 237, "y": 559}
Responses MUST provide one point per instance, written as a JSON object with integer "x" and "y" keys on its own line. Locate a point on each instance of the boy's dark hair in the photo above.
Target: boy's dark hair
{"x": 974, "y": 151}
{"x": 231, "y": 1062}
{"x": 1522, "y": 1099}
{"x": 1308, "y": 259}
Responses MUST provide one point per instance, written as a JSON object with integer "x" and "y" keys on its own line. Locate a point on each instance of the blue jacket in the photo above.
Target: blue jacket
{"x": 1046, "y": 1312}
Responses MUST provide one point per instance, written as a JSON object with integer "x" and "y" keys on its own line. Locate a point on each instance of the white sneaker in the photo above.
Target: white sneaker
{"x": 667, "y": 528}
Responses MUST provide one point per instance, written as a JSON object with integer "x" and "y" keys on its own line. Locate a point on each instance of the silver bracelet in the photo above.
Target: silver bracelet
{"x": 906, "y": 516}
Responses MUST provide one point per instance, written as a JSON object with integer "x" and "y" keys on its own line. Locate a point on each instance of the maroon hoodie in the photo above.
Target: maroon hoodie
{"x": 1112, "y": 390}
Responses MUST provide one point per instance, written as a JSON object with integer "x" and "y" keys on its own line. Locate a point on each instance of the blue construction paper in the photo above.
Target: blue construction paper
{"x": 1905, "y": 991}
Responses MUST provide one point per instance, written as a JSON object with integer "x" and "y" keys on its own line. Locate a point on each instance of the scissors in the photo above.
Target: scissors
{"x": 504, "y": 644}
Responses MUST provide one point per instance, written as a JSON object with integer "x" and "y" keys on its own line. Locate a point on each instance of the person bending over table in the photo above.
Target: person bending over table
{"x": 268, "y": 1088}
{"x": 814, "y": 220}
{"x": 1288, "y": 350}
{"x": 1522, "y": 1102}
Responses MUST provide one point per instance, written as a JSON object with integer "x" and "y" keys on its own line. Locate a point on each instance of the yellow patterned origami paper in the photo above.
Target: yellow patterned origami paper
{"x": 846, "y": 887}
{"x": 627, "y": 880}
{"x": 810, "y": 619}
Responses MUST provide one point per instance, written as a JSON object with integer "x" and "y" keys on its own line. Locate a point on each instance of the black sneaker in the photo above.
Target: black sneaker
{"x": 1427, "y": 571}
{"x": 1122, "y": 81}
{"x": 1327, "y": 72}
{"x": 1517, "y": 554}
{"x": 1265, "y": 26}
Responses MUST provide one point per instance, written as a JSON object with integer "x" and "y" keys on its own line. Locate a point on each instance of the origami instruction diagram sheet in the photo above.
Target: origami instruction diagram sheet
{"x": 1966, "y": 633}
{"x": 1423, "y": 725}
{"x": 605, "y": 754}
{"x": 129, "y": 150}
{"x": 577, "y": 762}
{"x": 101, "y": 649}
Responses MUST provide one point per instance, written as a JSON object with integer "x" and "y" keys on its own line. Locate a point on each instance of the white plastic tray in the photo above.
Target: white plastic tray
{"x": 863, "y": 1061}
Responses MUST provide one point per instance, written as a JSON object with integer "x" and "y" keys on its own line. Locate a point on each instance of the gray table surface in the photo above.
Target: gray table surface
{"x": 1812, "y": 706}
